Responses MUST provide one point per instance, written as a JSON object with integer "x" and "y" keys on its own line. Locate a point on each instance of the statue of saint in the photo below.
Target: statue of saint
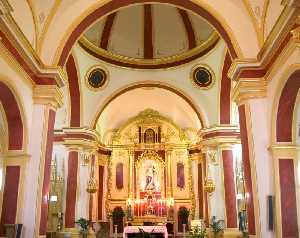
{"x": 150, "y": 174}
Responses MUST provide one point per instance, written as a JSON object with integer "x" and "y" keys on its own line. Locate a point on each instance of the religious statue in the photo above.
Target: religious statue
{"x": 150, "y": 174}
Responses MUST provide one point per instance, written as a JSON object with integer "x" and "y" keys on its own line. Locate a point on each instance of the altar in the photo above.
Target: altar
{"x": 128, "y": 230}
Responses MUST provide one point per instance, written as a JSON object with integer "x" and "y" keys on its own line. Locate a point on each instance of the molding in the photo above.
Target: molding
{"x": 246, "y": 89}
{"x": 272, "y": 48}
{"x": 284, "y": 151}
{"x": 15, "y": 41}
{"x": 296, "y": 35}
{"x": 5, "y": 7}
{"x": 219, "y": 136}
{"x": 159, "y": 63}
{"x": 79, "y": 139}
{"x": 48, "y": 95}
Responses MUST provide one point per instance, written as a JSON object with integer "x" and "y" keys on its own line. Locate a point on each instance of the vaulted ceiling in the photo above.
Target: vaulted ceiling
{"x": 155, "y": 32}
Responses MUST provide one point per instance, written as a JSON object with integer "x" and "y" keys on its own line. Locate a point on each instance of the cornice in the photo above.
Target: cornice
{"x": 276, "y": 42}
{"x": 5, "y": 7}
{"x": 284, "y": 151}
{"x": 80, "y": 139}
{"x": 48, "y": 95}
{"x": 246, "y": 89}
{"x": 14, "y": 40}
{"x": 218, "y": 135}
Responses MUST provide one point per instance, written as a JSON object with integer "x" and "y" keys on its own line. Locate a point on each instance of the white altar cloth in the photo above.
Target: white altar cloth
{"x": 154, "y": 229}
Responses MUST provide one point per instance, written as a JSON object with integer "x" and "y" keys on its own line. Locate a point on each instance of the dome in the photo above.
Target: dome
{"x": 149, "y": 36}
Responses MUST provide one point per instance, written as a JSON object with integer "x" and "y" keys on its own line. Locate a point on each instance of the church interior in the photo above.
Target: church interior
{"x": 161, "y": 118}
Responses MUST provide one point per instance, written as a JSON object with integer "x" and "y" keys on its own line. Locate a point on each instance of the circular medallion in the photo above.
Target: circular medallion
{"x": 96, "y": 78}
{"x": 202, "y": 76}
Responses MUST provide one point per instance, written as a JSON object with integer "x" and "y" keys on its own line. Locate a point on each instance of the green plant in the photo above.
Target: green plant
{"x": 183, "y": 212}
{"x": 197, "y": 232}
{"x": 217, "y": 226}
{"x": 84, "y": 225}
{"x": 118, "y": 213}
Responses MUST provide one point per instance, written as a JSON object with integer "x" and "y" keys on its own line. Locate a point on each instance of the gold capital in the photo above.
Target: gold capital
{"x": 48, "y": 95}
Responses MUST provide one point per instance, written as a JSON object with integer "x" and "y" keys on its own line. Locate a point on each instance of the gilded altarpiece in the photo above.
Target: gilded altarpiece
{"x": 149, "y": 172}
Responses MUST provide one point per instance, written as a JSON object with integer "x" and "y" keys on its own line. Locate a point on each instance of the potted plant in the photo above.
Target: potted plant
{"x": 217, "y": 227}
{"x": 197, "y": 232}
{"x": 183, "y": 218}
{"x": 84, "y": 226}
{"x": 118, "y": 216}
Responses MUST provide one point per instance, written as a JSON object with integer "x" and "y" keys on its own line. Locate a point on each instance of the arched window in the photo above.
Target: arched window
{"x": 119, "y": 176}
{"x": 149, "y": 136}
{"x": 180, "y": 175}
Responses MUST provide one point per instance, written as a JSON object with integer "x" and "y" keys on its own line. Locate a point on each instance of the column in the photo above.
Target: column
{"x": 102, "y": 167}
{"x": 229, "y": 186}
{"x": 250, "y": 95}
{"x": 73, "y": 160}
{"x": 131, "y": 179}
{"x": 198, "y": 185}
{"x": 169, "y": 173}
{"x": 205, "y": 194}
{"x": 216, "y": 199}
{"x": 82, "y": 146}
{"x": 47, "y": 98}
{"x": 217, "y": 146}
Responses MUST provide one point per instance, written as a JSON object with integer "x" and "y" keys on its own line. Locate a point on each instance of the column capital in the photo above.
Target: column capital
{"x": 284, "y": 151}
{"x": 219, "y": 134}
{"x": 48, "y": 95}
{"x": 251, "y": 88}
{"x": 78, "y": 139}
{"x": 296, "y": 34}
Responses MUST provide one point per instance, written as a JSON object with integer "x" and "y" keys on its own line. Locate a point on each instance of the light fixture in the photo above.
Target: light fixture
{"x": 92, "y": 186}
{"x": 53, "y": 198}
{"x": 209, "y": 186}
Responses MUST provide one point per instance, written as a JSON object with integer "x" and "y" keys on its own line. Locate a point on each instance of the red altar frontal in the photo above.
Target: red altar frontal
{"x": 150, "y": 204}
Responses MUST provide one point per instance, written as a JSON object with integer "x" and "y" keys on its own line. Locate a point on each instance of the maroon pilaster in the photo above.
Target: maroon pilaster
{"x": 206, "y": 218}
{"x": 247, "y": 170}
{"x": 100, "y": 192}
{"x": 47, "y": 173}
{"x": 10, "y": 197}
{"x": 230, "y": 192}
{"x": 288, "y": 198}
{"x": 200, "y": 191}
{"x": 71, "y": 189}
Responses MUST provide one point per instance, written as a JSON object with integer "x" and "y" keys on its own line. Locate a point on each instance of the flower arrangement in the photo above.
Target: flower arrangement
{"x": 198, "y": 232}
{"x": 84, "y": 226}
{"x": 217, "y": 226}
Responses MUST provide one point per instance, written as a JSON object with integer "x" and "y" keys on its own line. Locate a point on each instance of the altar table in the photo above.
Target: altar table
{"x": 153, "y": 229}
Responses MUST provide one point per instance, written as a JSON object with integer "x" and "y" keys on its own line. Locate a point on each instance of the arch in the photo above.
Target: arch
{"x": 74, "y": 91}
{"x": 13, "y": 118}
{"x": 64, "y": 37}
{"x": 286, "y": 106}
{"x": 225, "y": 89}
{"x": 200, "y": 114}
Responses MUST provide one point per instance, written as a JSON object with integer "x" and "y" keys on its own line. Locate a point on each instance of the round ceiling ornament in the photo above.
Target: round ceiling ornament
{"x": 202, "y": 76}
{"x": 96, "y": 78}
